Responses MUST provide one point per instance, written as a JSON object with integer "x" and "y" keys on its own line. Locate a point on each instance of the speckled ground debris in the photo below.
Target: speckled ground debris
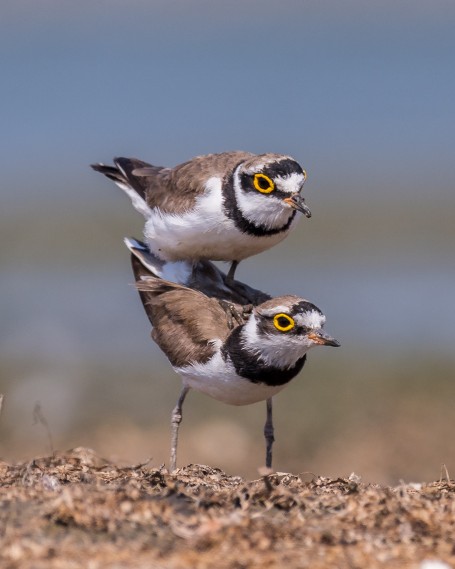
{"x": 76, "y": 510}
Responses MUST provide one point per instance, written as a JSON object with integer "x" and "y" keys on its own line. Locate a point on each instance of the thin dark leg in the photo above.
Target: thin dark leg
{"x": 268, "y": 434}
{"x": 241, "y": 293}
{"x": 231, "y": 273}
{"x": 176, "y": 419}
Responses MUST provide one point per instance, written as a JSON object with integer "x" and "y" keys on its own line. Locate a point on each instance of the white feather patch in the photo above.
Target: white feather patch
{"x": 177, "y": 271}
{"x": 218, "y": 379}
{"x": 138, "y": 203}
{"x": 291, "y": 184}
{"x": 310, "y": 319}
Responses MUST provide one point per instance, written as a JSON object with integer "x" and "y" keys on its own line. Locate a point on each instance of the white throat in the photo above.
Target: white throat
{"x": 262, "y": 210}
{"x": 275, "y": 350}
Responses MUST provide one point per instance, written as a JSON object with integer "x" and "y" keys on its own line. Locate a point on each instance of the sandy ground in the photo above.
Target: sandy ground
{"x": 77, "y": 510}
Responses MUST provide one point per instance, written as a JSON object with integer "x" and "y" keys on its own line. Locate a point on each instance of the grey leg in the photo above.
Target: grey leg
{"x": 176, "y": 419}
{"x": 268, "y": 434}
{"x": 242, "y": 294}
{"x": 231, "y": 273}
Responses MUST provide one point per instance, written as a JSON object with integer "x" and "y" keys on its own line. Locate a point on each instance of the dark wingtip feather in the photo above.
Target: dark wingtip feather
{"x": 112, "y": 172}
{"x": 104, "y": 169}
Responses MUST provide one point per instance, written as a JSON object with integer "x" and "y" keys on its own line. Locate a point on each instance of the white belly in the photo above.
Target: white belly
{"x": 189, "y": 236}
{"x": 204, "y": 232}
{"x": 219, "y": 380}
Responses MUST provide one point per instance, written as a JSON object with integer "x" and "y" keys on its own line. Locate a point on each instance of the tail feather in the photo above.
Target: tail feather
{"x": 127, "y": 168}
{"x": 122, "y": 173}
{"x": 151, "y": 265}
{"x": 110, "y": 172}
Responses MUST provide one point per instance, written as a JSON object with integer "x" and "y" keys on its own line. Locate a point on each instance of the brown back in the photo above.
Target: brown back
{"x": 176, "y": 190}
{"x": 185, "y": 322}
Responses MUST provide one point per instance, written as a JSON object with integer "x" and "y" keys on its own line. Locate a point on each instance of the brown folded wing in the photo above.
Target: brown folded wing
{"x": 186, "y": 323}
{"x": 175, "y": 190}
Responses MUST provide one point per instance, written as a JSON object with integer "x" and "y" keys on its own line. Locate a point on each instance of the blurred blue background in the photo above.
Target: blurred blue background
{"x": 361, "y": 94}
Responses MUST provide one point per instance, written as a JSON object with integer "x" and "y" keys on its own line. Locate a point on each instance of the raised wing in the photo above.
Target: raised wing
{"x": 186, "y": 323}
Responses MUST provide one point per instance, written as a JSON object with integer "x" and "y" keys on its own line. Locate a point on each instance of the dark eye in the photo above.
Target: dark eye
{"x": 283, "y": 322}
{"x": 263, "y": 183}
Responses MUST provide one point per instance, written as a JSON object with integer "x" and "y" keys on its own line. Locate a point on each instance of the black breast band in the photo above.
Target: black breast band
{"x": 248, "y": 366}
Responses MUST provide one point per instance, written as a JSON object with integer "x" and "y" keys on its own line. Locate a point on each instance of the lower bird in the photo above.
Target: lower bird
{"x": 239, "y": 361}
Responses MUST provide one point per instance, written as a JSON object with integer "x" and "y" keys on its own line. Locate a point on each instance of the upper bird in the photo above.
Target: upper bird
{"x": 220, "y": 207}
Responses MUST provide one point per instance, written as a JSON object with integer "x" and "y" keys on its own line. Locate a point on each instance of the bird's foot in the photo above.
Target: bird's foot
{"x": 234, "y": 312}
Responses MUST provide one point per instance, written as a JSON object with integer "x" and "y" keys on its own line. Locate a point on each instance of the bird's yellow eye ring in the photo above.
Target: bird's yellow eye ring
{"x": 283, "y": 322}
{"x": 263, "y": 183}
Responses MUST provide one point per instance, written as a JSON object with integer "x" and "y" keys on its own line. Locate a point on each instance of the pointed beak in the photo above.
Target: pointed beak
{"x": 323, "y": 339}
{"x": 297, "y": 202}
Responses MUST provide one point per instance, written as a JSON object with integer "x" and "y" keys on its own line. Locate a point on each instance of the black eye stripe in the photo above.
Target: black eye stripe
{"x": 283, "y": 168}
{"x": 305, "y": 306}
{"x": 247, "y": 184}
{"x": 232, "y": 211}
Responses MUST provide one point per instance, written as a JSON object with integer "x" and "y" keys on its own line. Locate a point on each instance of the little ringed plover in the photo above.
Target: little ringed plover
{"x": 241, "y": 364}
{"x": 219, "y": 207}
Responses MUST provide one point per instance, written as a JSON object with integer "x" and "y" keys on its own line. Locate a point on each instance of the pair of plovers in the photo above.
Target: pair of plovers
{"x": 224, "y": 338}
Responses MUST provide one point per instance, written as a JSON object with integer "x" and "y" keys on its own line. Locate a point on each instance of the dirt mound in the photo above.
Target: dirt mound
{"x": 78, "y": 510}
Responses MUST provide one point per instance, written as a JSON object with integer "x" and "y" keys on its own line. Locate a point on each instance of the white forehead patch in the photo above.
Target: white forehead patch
{"x": 292, "y": 183}
{"x": 310, "y": 319}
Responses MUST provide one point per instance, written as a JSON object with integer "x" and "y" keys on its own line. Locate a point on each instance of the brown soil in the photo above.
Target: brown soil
{"x": 78, "y": 510}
